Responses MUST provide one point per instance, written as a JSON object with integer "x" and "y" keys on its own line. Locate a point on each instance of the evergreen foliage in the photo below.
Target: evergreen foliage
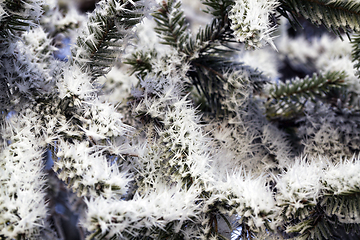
{"x": 106, "y": 34}
{"x": 289, "y": 99}
{"x": 334, "y": 15}
{"x": 18, "y": 16}
{"x": 197, "y": 141}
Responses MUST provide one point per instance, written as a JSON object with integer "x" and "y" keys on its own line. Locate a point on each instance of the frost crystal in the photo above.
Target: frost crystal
{"x": 195, "y": 142}
{"x": 22, "y": 202}
{"x": 250, "y": 21}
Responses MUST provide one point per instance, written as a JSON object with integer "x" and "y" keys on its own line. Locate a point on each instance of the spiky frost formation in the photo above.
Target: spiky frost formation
{"x": 88, "y": 162}
{"x": 185, "y": 157}
{"x": 164, "y": 209}
{"x": 184, "y": 152}
{"x": 299, "y": 187}
{"x": 89, "y": 172}
{"x": 341, "y": 185}
{"x": 176, "y": 152}
{"x": 108, "y": 31}
{"x": 117, "y": 84}
{"x": 241, "y": 192}
{"x": 99, "y": 119}
{"x": 76, "y": 84}
{"x": 310, "y": 183}
{"x": 343, "y": 177}
{"x": 22, "y": 196}
{"x": 35, "y": 53}
{"x": 27, "y": 68}
{"x": 245, "y": 136}
{"x": 329, "y": 132}
{"x": 250, "y": 21}
{"x": 19, "y": 16}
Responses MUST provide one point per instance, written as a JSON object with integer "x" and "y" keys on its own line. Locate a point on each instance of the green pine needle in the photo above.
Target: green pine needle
{"x": 334, "y": 15}
{"x": 140, "y": 62}
{"x": 171, "y": 24}
{"x": 17, "y": 17}
{"x": 286, "y": 100}
{"x": 218, "y": 9}
{"x": 108, "y": 32}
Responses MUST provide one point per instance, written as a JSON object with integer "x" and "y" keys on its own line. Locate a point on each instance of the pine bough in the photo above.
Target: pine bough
{"x": 201, "y": 147}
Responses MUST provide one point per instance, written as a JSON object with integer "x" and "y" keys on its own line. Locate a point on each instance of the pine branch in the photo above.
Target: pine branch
{"x": 26, "y": 65}
{"x": 335, "y": 216}
{"x": 288, "y": 99}
{"x": 107, "y": 33}
{"x": 212, "y": 38}
{"x": 308, "y": 87}
{"x": 215, "y": 35}
{"x": 217, "y": 79}
{"x": 19, "y": 16}
{"x": 344, "y": 206}
{"x": 334, "y": 15}
{"x": 141, "y": 62}
{"x": 250, "y": 21}
{"x": 324, "y": 202}
{"x": 315, "y": 226}
{"x": 22, "y": 203}
{"x": 208, "y": 54}
{"x": 342, "y": 194}
{"x": 172, "y": 24}
{"x": 218, "y": 9}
